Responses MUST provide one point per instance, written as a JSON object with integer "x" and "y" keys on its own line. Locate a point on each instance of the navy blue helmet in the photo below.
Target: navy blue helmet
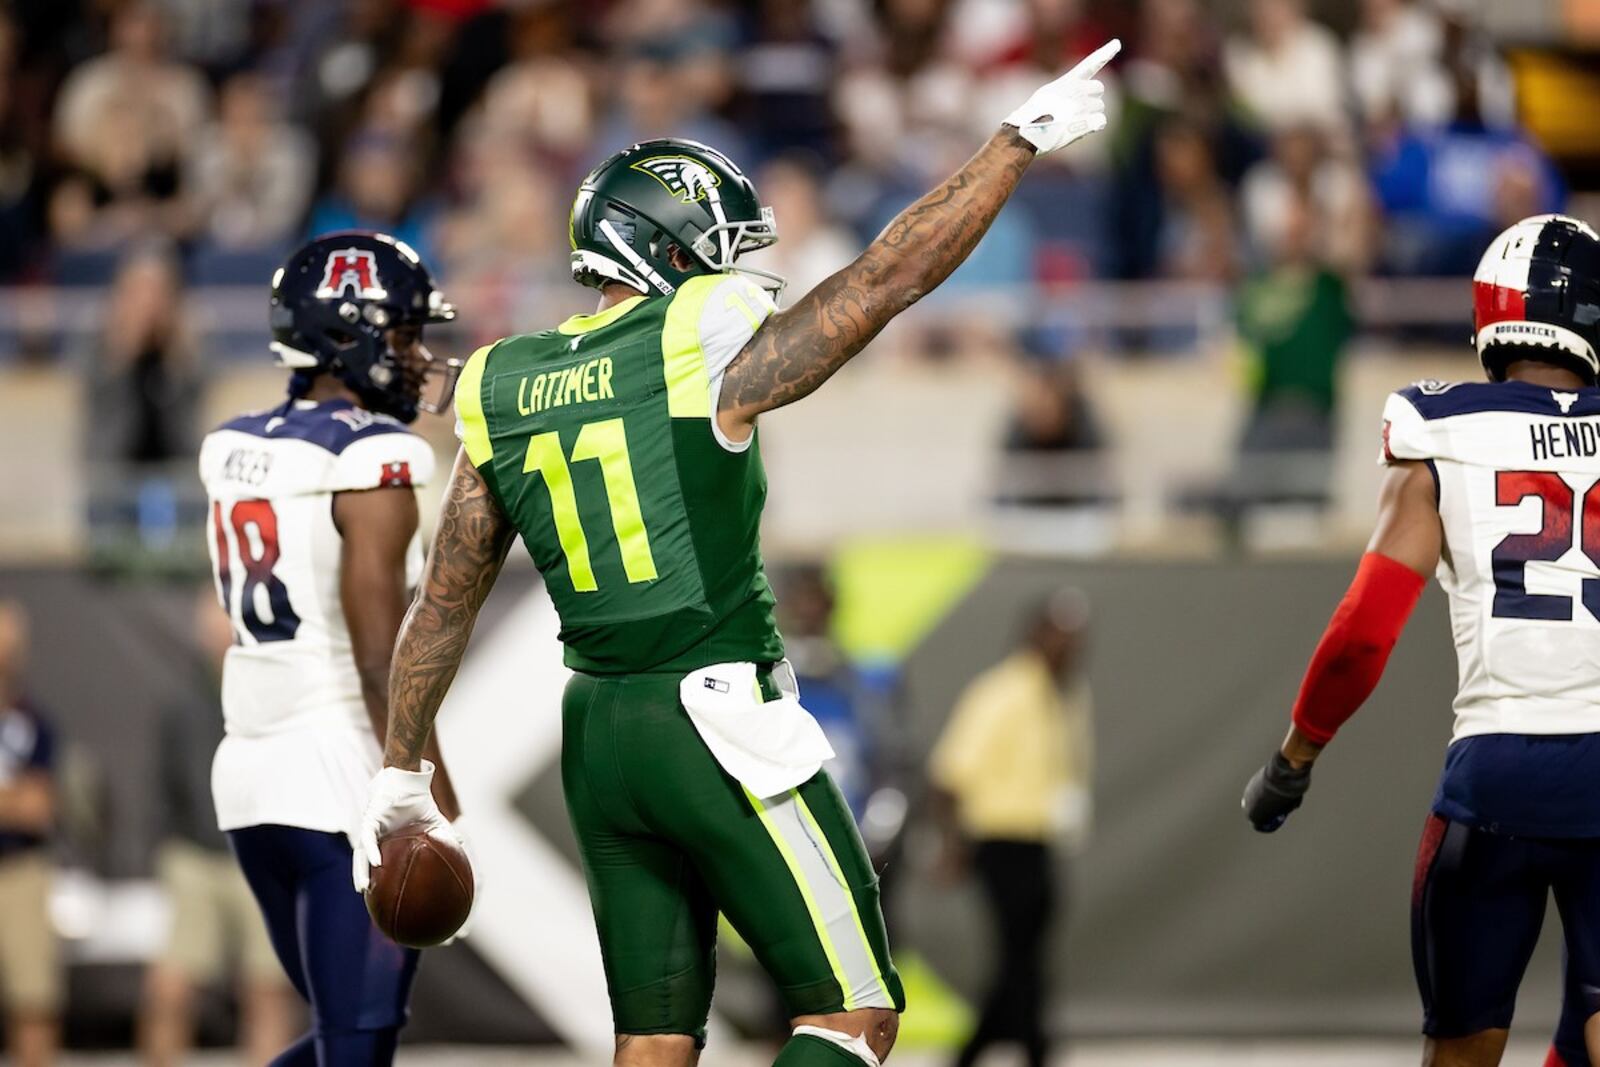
{"x": 340, "y": 305}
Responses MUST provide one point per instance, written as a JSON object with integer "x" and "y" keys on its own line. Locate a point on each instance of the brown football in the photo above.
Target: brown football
{"x": 422, "y": 893}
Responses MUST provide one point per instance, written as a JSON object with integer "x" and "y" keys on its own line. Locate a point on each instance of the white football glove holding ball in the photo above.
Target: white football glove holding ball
{"x": 1071, "y": 107}
{"x": 395, "y": 798}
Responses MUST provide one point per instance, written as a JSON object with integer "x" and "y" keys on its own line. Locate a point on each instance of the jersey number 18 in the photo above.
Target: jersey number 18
{"x": 254, "y": 550}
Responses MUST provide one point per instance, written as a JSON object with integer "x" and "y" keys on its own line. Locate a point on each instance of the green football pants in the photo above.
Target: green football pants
{"x": 669, "y": 839}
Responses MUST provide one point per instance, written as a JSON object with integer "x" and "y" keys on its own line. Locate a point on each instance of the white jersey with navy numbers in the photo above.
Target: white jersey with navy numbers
{"x": 299, "y": 749}
{"x": 1516, "y": 466}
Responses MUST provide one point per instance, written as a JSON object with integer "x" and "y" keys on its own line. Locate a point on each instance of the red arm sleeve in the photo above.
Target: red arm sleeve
{"x": 1351, "y": 655}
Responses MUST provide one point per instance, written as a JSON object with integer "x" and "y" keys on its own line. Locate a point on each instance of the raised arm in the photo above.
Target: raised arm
{"x": 801, "y": 347}
{"x": 469, "y": 548}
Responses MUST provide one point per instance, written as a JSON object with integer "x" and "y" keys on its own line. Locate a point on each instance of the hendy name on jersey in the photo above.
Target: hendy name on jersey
{"x": 1562, "y": 440}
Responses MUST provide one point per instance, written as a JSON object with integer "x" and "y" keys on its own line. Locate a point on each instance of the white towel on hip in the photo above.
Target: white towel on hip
{"x": 768, "y": 746}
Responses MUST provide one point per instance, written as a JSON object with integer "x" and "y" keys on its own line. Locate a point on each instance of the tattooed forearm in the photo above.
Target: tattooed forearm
{"x": 800, "y": 347}
{"x": 469, "y": 548}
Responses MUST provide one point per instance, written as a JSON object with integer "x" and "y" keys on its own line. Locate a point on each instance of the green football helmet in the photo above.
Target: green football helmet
{"x": 634, "y": 208}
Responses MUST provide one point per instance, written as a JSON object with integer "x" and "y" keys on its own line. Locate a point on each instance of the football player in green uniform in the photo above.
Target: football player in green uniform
{"x": 622, "y": 447}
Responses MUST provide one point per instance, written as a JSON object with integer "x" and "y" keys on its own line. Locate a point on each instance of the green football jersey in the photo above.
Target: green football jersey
{"x": 599, "y": 441}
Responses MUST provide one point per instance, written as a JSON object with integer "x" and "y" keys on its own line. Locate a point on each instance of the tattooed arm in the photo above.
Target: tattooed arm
{"x": 468, "y": 550}
{"x": 799, "y": 348}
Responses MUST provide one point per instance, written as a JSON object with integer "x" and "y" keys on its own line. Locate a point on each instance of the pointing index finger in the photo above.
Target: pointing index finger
{"x": 1090, "y": 66}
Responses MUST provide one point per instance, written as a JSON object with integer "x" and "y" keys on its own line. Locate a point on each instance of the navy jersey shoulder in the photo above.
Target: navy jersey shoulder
{"x": 334, "y": 425}
{"x": 1442, "y": 400}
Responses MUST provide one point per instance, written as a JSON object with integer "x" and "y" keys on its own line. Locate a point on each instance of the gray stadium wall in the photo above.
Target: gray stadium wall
{"x": 1182, "y": 920}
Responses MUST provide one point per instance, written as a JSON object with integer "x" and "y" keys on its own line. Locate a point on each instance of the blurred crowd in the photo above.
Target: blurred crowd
{"x": 233, "y": 127}
{"x": 156, "y": 144}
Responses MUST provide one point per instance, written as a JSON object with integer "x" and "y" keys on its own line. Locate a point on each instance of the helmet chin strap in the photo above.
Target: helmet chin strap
{"x": 645, "y": 270}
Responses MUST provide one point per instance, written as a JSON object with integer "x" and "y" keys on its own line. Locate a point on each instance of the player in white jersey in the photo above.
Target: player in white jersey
{"x": 313, "y": 538}
{"x": 1494, "y": 488}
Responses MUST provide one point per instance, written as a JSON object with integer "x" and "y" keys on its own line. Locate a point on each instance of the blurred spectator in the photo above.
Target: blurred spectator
{"x": 145, "y": 381}
{"x": 1197, "y": 240}
{"x": 1295, "y": 321}
{"x": 1445, "y": 191}
{"x": 542, "y": 98}
{"x": 1287, "y": 69}
{"x": 810, "y": 246}
{"x": 134, "y": 82}
{"x": 252, "y": 172}
{"x": 1052, "y": 423}
{"x": 1011, "y": 776}
{"x": 1175, "y": 60}
{"x": 125, "y": 121}
{"x": 19, "y": 165}
{"x": 1300, "y": 170}
{"x": 1469, "y": 64}
{"x": 658, "y": 94}
{"x": 900, "y": 85}
{"x": 378, "y": 191}
{"x": 1395, "y": 59}
{"x": 829, "y": 686}
{"x": 144, "y": 389}
{"x": 216, "y": 34}
{"x": 30, "y": 954}
{"x": 1173, "y": 76}
{"x": 786, "y": 72}
{"x": 341, "y": 49}
{"x": 1055, "y": 35}
{"x": 506, "y": 243}
{"x": 216, "y": 931}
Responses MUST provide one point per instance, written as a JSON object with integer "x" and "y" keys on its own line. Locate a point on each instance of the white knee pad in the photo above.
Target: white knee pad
{"x": 856, "y": 1046}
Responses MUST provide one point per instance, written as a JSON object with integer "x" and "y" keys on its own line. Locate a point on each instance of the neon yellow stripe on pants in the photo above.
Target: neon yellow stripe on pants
{"x": 800, "y": 880}
{"x": 850, "y": 898}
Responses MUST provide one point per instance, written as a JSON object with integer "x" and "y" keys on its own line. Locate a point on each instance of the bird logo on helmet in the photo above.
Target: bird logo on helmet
{"x": 335, "y": 304}
{"x": 683, "y": 177}
{"x": 654, "y": 215}
{"x": 1536, "y": 295}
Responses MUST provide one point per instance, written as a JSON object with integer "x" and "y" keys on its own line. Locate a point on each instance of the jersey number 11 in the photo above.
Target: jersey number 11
{"x": 607, "y": 442}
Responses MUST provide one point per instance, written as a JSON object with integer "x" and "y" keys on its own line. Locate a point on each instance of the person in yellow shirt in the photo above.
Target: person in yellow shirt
{"x": 1010, "y": 777}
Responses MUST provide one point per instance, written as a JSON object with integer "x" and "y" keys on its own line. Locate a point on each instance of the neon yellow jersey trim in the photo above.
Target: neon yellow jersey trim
{"x": 815, "y": 912}
{"x": 469, "y": 408}
{"x": 688, "y": 381}
{"x": 585, "y": 323}
{"x": 850, "y": 898}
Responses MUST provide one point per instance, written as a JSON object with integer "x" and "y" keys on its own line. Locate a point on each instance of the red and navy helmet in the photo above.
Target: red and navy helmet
{"x": 1536, "y": 295}
{"x": 333, "y": 304}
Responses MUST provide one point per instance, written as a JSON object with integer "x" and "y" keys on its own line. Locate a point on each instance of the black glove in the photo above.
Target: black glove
{"x": 1275, "y": 791}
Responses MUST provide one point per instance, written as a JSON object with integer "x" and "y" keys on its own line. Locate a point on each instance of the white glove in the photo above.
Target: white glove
{"x": 1070, "y": 107}
{"x": 395, "y": 797}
